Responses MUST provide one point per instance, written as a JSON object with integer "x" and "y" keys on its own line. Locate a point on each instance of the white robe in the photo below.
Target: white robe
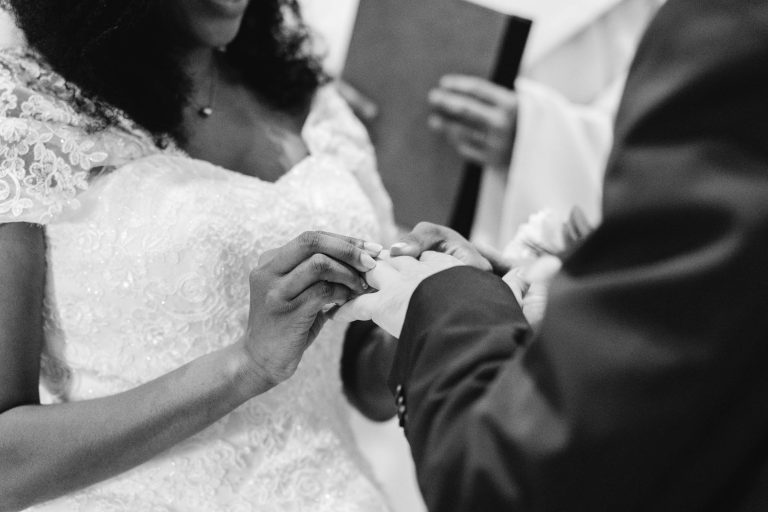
{"x": 570, "y": 85}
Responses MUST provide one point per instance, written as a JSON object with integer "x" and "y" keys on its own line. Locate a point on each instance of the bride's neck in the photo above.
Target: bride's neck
{"x": 198, "y": 63}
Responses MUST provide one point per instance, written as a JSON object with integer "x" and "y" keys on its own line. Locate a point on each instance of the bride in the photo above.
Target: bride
{"x": 165, "y": 147}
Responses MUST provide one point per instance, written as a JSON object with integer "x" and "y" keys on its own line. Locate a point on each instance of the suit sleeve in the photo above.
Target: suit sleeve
{"x": 646, "y": 388}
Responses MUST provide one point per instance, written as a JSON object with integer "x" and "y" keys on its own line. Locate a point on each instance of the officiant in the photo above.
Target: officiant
{"x": 544, "y": 145}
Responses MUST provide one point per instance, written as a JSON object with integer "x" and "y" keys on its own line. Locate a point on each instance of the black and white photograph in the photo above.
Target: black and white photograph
{"x": 383, "y": 255}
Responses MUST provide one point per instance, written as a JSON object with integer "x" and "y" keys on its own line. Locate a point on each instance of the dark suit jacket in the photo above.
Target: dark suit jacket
{"x": 647, "y": 388}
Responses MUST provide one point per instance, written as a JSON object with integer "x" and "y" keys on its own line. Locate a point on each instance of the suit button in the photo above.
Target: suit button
{"x": 402, "y": 410}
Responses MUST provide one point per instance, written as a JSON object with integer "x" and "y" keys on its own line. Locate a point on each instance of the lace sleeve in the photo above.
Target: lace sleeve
{"x": 333, "y": 129}
{"x": 45, "y": 154}
{"x": 43, "y": 167}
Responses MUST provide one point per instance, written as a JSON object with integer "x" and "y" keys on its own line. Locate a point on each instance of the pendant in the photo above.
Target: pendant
{"x": 205, "y": 112}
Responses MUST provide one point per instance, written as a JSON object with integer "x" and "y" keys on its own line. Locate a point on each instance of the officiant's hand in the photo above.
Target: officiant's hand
{"x": 477, "y": 117}
{"x": 395, "y": 278}
{"x": 290, "y": 290}
{"x": 433, "y": 237}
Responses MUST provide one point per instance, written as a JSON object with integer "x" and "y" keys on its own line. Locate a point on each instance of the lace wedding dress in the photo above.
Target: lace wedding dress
{"x": 149, "y": 253}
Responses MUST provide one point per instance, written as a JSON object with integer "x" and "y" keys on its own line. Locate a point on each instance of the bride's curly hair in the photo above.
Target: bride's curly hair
{"x": 122, "y": 53}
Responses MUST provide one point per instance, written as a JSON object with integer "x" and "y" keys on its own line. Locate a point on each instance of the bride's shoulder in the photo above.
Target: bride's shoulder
{"x": 46, "y": 151}
{"x": 21, "y": 66}
{"x": 30, "y": 90}
{"x": 50, "y": 147}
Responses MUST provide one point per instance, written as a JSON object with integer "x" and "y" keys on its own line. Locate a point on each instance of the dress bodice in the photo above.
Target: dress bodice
{"x": 150, "y": 272}
{"x": 149, "y": 256}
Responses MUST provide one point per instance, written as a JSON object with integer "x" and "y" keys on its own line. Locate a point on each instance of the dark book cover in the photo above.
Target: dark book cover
{"x": 399, "y": 51}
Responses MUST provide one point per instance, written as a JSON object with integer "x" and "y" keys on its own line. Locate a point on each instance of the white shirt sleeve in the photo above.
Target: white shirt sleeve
{"x": 560, "y": 154}
{"x": 567, "y": 103}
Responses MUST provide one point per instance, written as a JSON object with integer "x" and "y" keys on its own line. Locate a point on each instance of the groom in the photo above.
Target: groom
{"x": 647, "y": 387}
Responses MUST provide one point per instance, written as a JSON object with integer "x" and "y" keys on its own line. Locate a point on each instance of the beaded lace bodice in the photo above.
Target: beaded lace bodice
{"x": 149, "y": 253}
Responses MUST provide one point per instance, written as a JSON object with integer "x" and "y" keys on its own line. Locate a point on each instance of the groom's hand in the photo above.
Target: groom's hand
{"x": 432, "y": 237}
{"x": 395, "y": 278}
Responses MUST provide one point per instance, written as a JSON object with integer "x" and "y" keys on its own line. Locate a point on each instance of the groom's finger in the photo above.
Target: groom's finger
{"x": 424, "y": 237}
{"x": 499, "y": 264}
{"x": 381, "y": 275}
{"x": 403, "y": 263}
{"x": 432, "y": 237}
{"x": 439, "y": 259}
{"x": 309, "y": 243}
{"x": 358, "y": 309}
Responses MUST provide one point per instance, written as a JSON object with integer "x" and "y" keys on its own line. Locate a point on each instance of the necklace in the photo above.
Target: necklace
{"x": 206, "y": 110}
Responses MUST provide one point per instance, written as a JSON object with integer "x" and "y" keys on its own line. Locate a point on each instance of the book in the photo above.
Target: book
{"x": 399, "y": 51}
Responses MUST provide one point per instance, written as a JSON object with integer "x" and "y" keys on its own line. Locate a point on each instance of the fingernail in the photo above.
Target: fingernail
{"x": 368, "y": 262}
{"x": 434, "y": 95}
{"x": 434, "y": 122}
{"x": 372, "y": 248}
{"x": 371, "y": 112}
{"x": 364, "y": 283}
{"x": 451, "y": 77}
{"x": 399, "y": 246}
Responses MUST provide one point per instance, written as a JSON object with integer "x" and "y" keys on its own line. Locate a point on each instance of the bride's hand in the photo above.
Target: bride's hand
{"x": 395, "y": 278}
{"x": 291, "y": 288}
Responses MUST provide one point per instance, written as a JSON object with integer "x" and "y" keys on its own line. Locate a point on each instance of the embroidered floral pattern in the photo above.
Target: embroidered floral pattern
{"x": 45, "y": 150}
